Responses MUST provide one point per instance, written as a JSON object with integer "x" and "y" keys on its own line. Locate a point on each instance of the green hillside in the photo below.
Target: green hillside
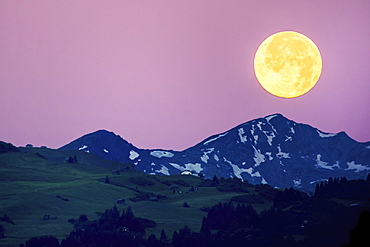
{"x": 38, "y": 181}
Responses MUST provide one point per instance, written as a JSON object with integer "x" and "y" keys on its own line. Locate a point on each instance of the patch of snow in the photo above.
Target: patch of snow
{"x": 204, "y": 158}
{"x": 177, "y": 166}
{"x": 281, "y": 154}
{"x": 194, "y": 167}
{"x": 255, "y": 139}
{"x": 133, "y": 155}
{"x": 258, "y": 157}
{"x": 208, "y": 150}
{"x": 163, "y": 170}
{"x": 243, "y": 139}
{"x": 152, "y": 164}
{"x": 268, "y": 118}
{"x": 269, "y": 154}
{"x": 284, "y": 170}
{"x": 292, "y": 130}
{"x": 322, "y": 164}
{"x": 357, "y": 167}
{"x": 83, "y": 147}
{"x": 191, "y": 167}
{"x": 106, "y": 151}
{"x": 320, "y": 180}
{"x": 288, "y": 138}
{"x": 264, "y": 181}
{"x": 367, "y": 147}
{"x": 186, "y": 173}
{"x": 336, "y": 164}
{"x": 238, "y": 171}
{"x": 213, "y": 139}
{"x": 325, "y": 135}
{"x": 297, "y": 182}
{"x": 270, "y": 136}
{"x": 216, "y": 157}
{"x": 87, "y": 151}
{"x": 160, "y": 154}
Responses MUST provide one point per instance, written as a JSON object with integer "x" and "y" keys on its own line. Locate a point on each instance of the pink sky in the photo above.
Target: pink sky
{"x": 168, "y": 74}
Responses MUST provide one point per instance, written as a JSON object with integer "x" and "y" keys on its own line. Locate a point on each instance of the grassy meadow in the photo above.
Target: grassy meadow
{"x": 39, "y": 181}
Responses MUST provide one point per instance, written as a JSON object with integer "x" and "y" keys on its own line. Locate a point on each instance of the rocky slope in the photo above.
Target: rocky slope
{"x": 271, "y": 150}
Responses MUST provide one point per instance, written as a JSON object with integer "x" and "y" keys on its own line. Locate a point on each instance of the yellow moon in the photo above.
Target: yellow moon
{"x": 288, "y": 64}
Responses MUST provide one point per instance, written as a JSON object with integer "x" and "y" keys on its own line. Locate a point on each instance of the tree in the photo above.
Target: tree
{"x": 49, "y": 241}
{"x": 107, "y": 180}
{"x": 83, "y": 218}
{"x": 163, "y": 236}
{"x": 215, "y": 179}
{"x": 176, "y": 241}
{"x": 70, "y": 159}
{"x": 186, "y": 205}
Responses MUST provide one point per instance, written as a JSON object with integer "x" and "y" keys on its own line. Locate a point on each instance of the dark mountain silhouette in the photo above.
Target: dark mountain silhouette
{"x": 271, "y": 150}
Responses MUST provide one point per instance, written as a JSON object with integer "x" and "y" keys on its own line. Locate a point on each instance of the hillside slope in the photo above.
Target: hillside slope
{"x": 271, "y": 150}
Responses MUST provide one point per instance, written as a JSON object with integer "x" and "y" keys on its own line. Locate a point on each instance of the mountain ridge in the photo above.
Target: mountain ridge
{"x": 271, "y": 149}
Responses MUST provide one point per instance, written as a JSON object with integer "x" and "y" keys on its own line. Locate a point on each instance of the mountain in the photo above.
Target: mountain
{"x": 271, "y": 150}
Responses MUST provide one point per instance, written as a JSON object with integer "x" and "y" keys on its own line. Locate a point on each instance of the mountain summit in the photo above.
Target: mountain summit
{"x": 271, "y": 150}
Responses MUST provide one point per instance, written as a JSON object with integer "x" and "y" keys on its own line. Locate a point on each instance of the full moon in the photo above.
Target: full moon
{"x": 287, "y": 64}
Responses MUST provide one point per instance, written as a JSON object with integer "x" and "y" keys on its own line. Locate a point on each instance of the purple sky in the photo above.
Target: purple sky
{"x": 168, "y": 74}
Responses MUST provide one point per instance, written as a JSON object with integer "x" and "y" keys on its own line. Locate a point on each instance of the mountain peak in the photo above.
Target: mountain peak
{"x": 270, "y": 150}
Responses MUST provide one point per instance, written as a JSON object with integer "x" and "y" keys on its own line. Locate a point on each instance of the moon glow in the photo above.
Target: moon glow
{"x": 287, "y": 64}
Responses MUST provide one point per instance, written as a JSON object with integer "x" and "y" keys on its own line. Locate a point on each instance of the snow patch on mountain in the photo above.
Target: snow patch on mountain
{"x": 297, "y": 182}
{"x": 164, "y": 170}
{"x": 160, "y": 154}
{"x": 269, "y": 154}
{"x": 281, "y": 154}
{"x": 214, "y": 139}
{"x": 319, "y": 180}
{"x": 243, "y": 139}
{"x": 83, "y": 147}
{"x": 237, "y": 170}
{"x": 258, "y": 157}
{"x": 322, "y": 164}
{"x": 105, "y": 151}
{"x": 194, "y": 167}
{"x": 268, "y": 118}
{"x": 356, "y": 167}
{"x": 204, "y": 158}
{"x": 133, "y": 155}
{"x": 325, "y": 135}
{"x": 189, "y": 166}
{"x": 216, "y": 157}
